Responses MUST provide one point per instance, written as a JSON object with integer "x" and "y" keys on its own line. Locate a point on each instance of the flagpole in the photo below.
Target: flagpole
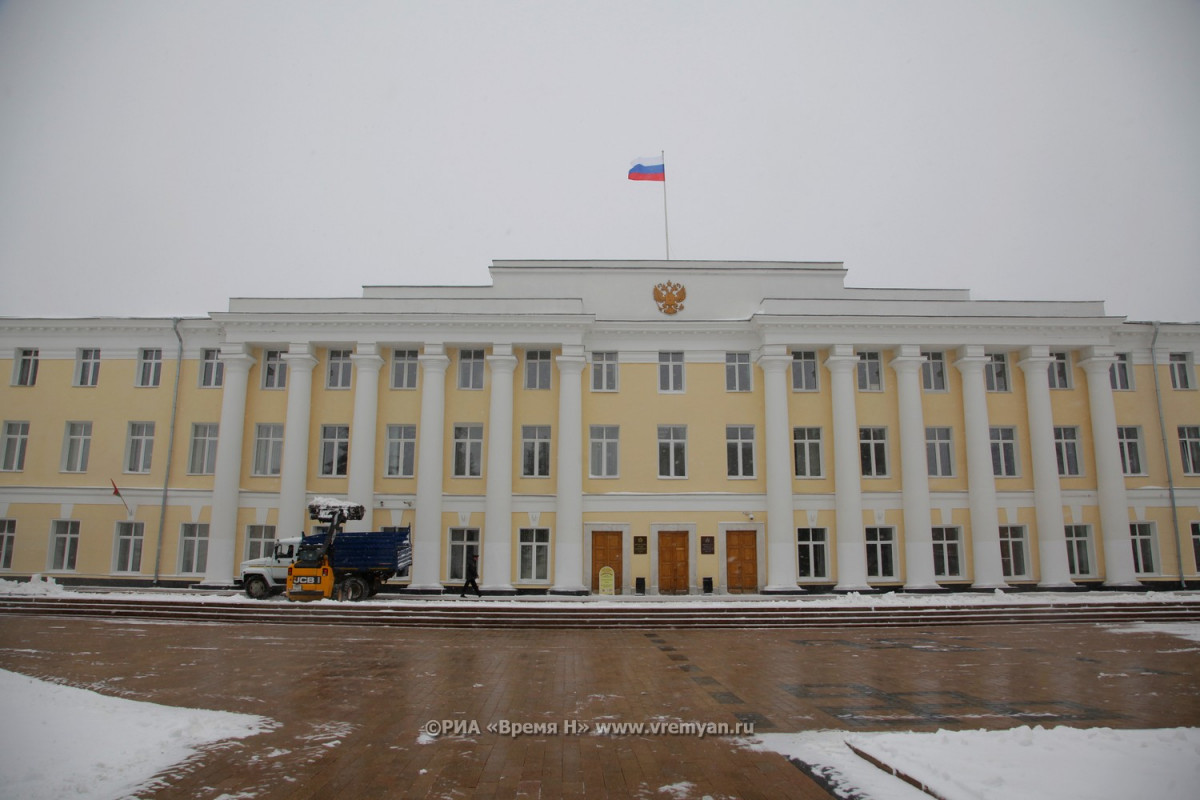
{"x": 666, "y": 226}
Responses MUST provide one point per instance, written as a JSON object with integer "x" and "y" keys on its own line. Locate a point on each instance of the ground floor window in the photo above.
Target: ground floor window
{"x": 1142, "y": 536}
{"x": 193, "y": 548}
{"x": 64, "y": 544}
{"x": 881, "y": 552}
{"x": 1012, "y": 551}
{"x": 128, "y": 555}
{"x": 535, "y": 554}
{"x": 813, "y": 553}
{"x": 1195, "y": 545}
{"x": 464, "y": 543}
{"x": 8, "y": 540}
{"x": 1079, "y": 550}
{"x": 947, "y": 552}
{"x": 260, "y": 541}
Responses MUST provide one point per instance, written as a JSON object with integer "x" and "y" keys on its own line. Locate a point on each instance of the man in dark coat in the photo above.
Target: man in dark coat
{"x": 472, "y": 575}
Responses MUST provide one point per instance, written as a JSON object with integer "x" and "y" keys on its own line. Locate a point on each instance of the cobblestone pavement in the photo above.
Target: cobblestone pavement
{"x": 351, "y": 701}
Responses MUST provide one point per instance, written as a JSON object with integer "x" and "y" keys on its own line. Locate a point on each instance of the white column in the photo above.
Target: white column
{"x": 1047, "y": 494}
{"x": 914, "y": 469}
{"x": 427, "y": 529}
{"x": 777, "y": 436}
{"x": 293, "y": 478}
{"x": 364, "y": 433}
{"x": 847, "y": 474}
{"x": 568, "y": 515}
{"x": 496, "y": 569}
{"x": 227, "y": 473}
{"x": 1110, "y": 478}
{"x": 981, "y": 483}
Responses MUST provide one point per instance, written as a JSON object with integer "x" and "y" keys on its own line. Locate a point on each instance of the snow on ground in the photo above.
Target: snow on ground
{"x": 58, "y": 741}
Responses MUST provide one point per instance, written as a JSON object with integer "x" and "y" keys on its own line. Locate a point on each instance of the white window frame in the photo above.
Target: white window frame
{"x": 535, "y": 451}
{"x": 939, "y": 451}
{"x": 996, "y": 374}
{"x": 339, "y": 372}
{"x": 533, "y": 557}
{"x": 1066, "y": 450}
{"x": 8, "y": 542}
{"x": 1080, "y": 559}
{"x": 16, "y": 445}
{"x": 335, "y": 451}
{"x": 212, "y": 369}
{"x": 128, "y": 540}
{"x": 64, "y": 545}
{"x": 401, "y": 451}
{"x": 947, "y": 551}
{"x": 812, "y": 549}
{"x": 606, "y": 371}
{"x": 202, "y": 459}
{"x": 1189, "y": 449}
{"x": 873, "y": 451}
{"x": 87, "y": 367}
{"x": 1180, "y": 365}
{"x": 468, "y": 450}
{"x": 405, "y": 368}
{"x": 193, "y": 548}
{"x": 470, "y": 368}
{"x": 1005, "y": 460}
{"x": 150, "y": 363}
{"x": 739, "y": 451}
{"x": 77, "y": 446}
{"x": 539, "y": 367}
{"x": 1014, "y": 546}
{"x": 806, "y": 371}
{"x": 1196, "y": 546}
{"x": 463, "y": 542}
{"x": 260, "y": 541}
{"x": 25, "y": 367}
{"x": 1143, "y": 537}
{"x": 1129, "y": 442}
{"x": 1120, "y": 373}
{"x": 1058, "y": 371}
{"x": 671, "y": 375}
{"x": 738, "y": 374}
{"x": 881, "y": 550}
{"x": 870, "y": 371}
{"x": 268, "y": 449}
{"x": 604, "y": 451}
{"x": 274, "y": 369}
{"x": 672, "y": 452}
{"x": 933, "y": 371}
{"x": 139, "y": 447}
{"x": 807, "y": 461}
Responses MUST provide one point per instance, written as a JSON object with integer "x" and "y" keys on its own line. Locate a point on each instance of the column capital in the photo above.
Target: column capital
{"x": 299, "y": 359}
{"x": 436, "y": 362}
{"x": 571, "y": 364}
{"x": 1097, "y": 363}
{"x": 774, "y": 362}
{"x": 236, "y": 358}
{"x": 907, "y": 360}
{"x": 841, "y": 358}
{"x": 500, "y": 362}
{"x": 366, "y": 361}
{"x": 1036, "y": 356}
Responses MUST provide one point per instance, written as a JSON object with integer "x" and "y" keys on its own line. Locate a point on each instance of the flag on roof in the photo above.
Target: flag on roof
{"x": 648, "y": 169}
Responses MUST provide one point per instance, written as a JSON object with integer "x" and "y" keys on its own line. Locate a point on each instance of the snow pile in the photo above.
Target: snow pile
{"x": 1030, "y": 763}
{"x": 36, "y": 585}
{"x": 58, "y": 741}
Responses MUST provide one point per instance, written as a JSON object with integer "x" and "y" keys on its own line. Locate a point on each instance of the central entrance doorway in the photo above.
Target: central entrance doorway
{"x": 606, "y": 552}
{"x": 672, "y": 562}
{"x": 741, "y": 561}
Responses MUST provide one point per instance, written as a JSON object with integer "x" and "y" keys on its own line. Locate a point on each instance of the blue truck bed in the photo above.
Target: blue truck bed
{"x": 377, "y": 551}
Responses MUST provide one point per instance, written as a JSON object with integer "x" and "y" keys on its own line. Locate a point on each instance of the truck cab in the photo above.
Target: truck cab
{"x": 267, "y": 576}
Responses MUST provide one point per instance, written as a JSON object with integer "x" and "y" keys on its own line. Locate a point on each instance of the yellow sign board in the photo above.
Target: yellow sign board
{"x": 608, "y": 580}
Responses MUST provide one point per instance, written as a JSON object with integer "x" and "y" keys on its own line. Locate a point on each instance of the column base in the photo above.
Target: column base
{"x": 924, "y": 589}
{"x": 575, "y": 591}
{"x": 1070, "y": 586}
{"x": 1126, "y": 586}
{"x": 844, "y": 588}
{"x": 784, "y": 589}
{"x": 425, "y": 588}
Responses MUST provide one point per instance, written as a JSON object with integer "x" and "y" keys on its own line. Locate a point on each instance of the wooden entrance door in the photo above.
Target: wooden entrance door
{"x": 741, "y": 561}
{"x": 672, "y": 562}
{"x": 606, "y": 552}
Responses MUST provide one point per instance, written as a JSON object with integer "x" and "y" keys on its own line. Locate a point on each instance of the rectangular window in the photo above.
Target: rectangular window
{"x": 1066, "y": 447}
{"x": 1141, "y": 535}
{"x": 16, "y": 442}
{"x": 805, "y": 375}
{"x": 535, "y": 451}
{"x": 268, "y": 448}
{"x": 806, "y": 451}
{"x": 1189, "y": 448}
{"x": 212, "y": 369}
{"x": 274, "y": 369}
{"x": 335, "y": 450}
{"x": 470, "y": 369}
{"x": 464, "y": 544}
{"x": 193, "y": 548}
{"x": 670, "y": 372}
{"x": 260, "y": 541}
{"x": 933, "y": 371}
{"x": 739, "y": 451}
{"x": 737, "y": 372}
{"x": 404, "y": 369}
{"x": 1012, "y": 551}
{"x": 128, "y": 555}
{"x": 139, "y": 449}
{"x": 1004, "y": 452}
{"x": 947, "y": 552}
{"x": 26, "y": 368}
{"x": 872, "y": 450}
{"x": 1079, "y": 550}
{"x": 870, "y": 372}
{"x": 881, "y": 552}
{"x": 401, "y": 451}
{"x": 604, "y": 372}
{"x": 995, "y": 372}
{"x": 537, "y": 369}
{"x": 77, "y": 444}
{"x": 87, "y": 367}
{"x": 64, "y": 544}
{"x": 938, "y": 449}
{"x": 535, "y": 554}
{"x": 604, "y": 451}
{"x": 468, "y": 451}
{"x": 672, "y": 451}
{"x": 1129, "y": 441}
{"x": 1059, "y": 371}
{"x": 1195, "y": 546}
{"x": 813, "y": 553}
{"x": 149, "y": 367}
{"x": 203, "y": 460}
{"x": 340, "y": 369}
{"x": 1120, "y": 373}
{"x": 1181, "y": 370}
{"x": 8, "y": 542}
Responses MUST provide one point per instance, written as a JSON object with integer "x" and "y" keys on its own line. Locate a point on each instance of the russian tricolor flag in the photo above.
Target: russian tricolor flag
{"x": 648, "y": 169}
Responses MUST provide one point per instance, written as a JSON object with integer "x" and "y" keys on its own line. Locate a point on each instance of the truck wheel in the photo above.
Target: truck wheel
{"x": 354, "y": 589}
{"x": 256, "y": 587}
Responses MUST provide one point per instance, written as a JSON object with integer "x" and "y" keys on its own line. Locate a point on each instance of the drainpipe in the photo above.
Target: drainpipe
{"x": 162, "y": 510}
{"x": 1162, "y": 429}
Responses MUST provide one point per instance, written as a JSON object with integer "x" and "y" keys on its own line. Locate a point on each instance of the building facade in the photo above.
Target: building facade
{"x": 696, "y": 426}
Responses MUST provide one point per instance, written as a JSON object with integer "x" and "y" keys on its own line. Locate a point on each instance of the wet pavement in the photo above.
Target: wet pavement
{"x": 353, "y": 703}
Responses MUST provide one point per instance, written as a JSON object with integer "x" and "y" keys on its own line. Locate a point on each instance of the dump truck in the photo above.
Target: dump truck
{"x": 345, "y": 565}
{"x": 267, "y": 576}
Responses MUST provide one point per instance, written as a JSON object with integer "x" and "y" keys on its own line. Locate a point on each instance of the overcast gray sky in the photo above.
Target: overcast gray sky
{"x": 159, "y": 157}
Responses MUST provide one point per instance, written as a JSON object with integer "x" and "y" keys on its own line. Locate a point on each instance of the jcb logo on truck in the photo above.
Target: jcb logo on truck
{"x": 305, "y": 579}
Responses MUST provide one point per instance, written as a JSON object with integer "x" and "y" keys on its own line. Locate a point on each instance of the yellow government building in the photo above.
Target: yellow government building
{"x": 726, "y": 427}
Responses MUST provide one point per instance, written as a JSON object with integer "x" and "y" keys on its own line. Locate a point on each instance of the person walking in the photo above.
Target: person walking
{"x": 472, "y": 576}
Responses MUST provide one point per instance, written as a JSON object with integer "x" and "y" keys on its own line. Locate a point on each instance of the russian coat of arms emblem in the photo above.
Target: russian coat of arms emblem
{"x": 670, "y": 296}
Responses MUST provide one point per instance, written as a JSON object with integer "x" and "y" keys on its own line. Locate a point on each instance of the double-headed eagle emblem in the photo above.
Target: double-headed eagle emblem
{"x": 670, "y": 297}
